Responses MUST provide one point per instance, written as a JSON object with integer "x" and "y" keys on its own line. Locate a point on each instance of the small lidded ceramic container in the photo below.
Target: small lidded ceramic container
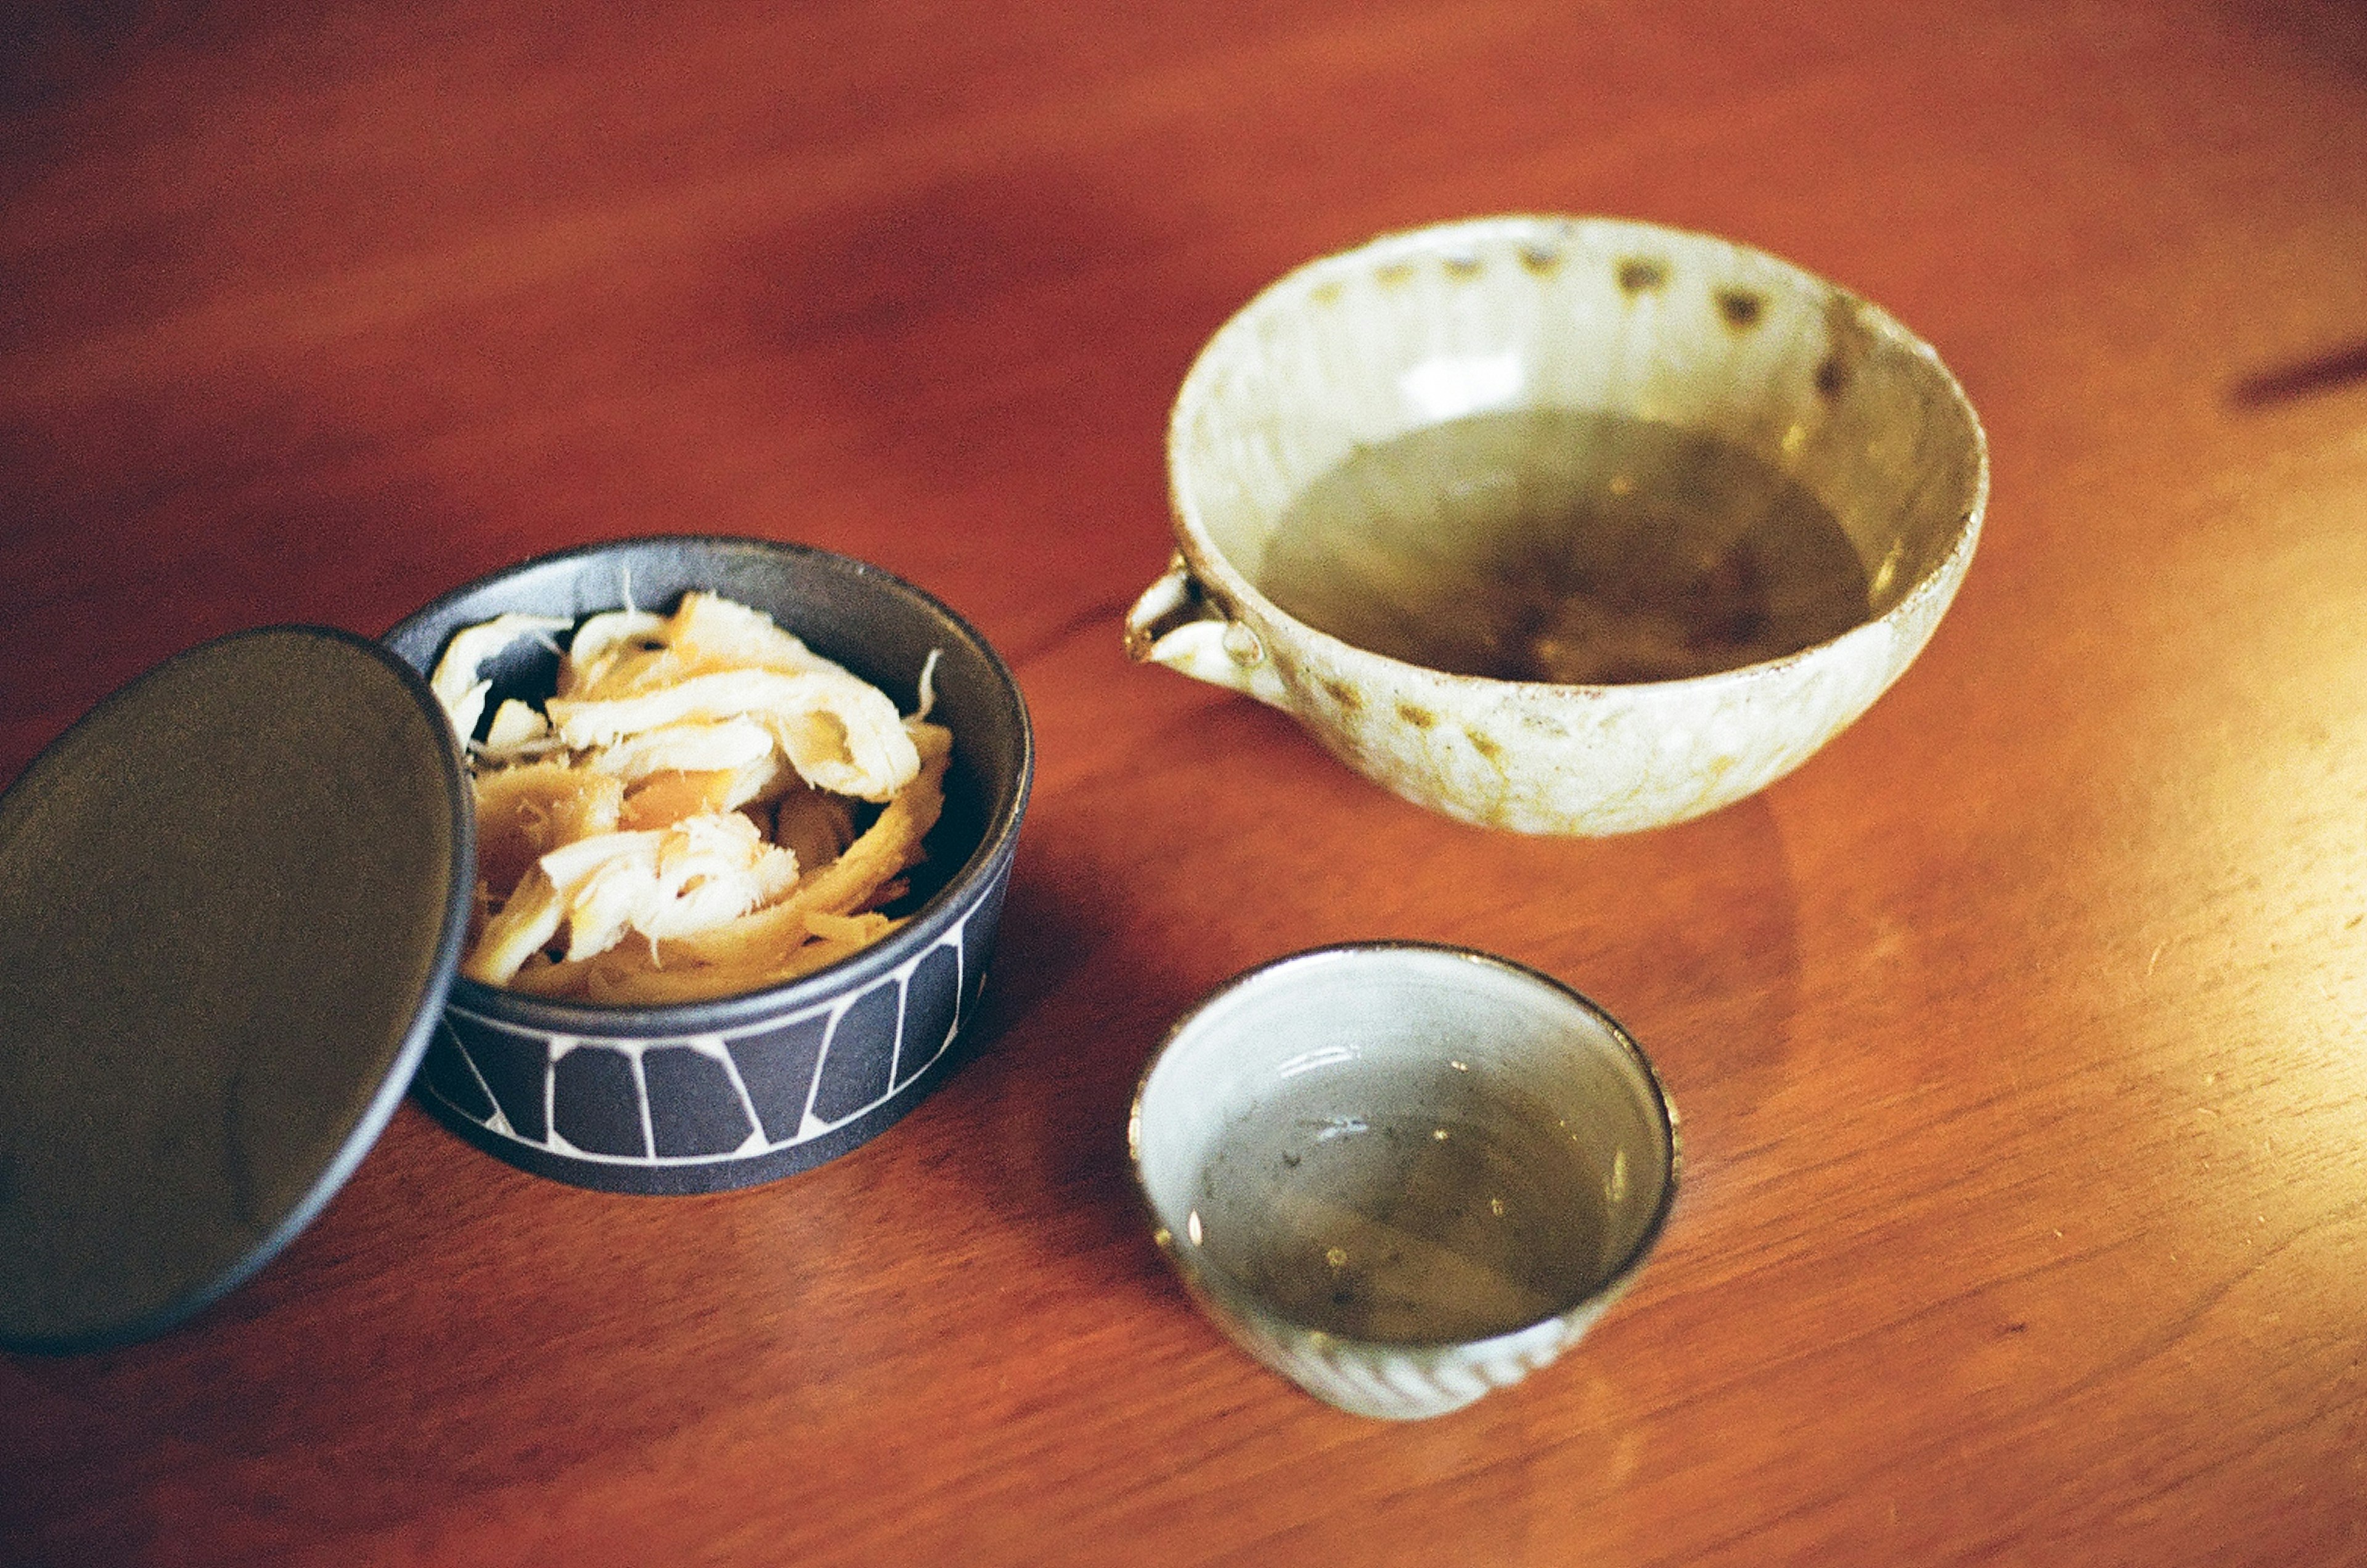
{"x": 696, "y": 1096}
{"x": 237, "y": 893}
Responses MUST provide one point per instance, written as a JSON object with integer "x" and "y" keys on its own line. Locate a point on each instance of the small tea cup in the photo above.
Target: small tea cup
{"x": 1680, "y": 336}
{"x": 1402, "y": 1175}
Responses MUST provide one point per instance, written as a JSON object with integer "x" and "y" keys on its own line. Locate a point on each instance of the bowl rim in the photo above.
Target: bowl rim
{"x": 1212, "y": 565}
{"x": 962, "y": 890}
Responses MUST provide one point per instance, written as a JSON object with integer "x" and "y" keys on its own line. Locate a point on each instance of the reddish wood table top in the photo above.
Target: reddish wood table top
{"x": 2019, "y": 1036}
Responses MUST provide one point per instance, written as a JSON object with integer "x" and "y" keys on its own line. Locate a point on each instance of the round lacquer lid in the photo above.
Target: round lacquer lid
{"x": 232, "y": 900}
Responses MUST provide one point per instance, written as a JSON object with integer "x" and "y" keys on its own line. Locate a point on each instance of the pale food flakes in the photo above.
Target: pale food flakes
{"x": 678, "y": 822}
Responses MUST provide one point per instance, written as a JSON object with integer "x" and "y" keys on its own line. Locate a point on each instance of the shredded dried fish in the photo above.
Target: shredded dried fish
{"x": 678, "y": 820}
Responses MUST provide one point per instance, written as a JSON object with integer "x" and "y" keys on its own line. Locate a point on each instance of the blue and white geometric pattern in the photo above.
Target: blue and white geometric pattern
{"x": 648, "y": 1115}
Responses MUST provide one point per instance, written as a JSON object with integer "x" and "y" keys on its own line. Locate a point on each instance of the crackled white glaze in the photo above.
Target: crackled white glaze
{"x": 1593, "y": 314}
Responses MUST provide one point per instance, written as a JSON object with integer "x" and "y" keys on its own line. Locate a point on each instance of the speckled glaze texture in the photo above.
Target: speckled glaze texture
{"x": 1588, "y": 314}
{"x": 1384, "y": 1016}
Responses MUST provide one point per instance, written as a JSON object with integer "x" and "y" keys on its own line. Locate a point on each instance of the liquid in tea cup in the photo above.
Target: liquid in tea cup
{"x": 1359, "y": 1208}
{"x": 1556, "y": 544}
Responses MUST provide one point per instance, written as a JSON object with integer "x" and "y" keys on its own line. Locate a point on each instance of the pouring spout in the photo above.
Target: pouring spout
{"x": 1174, "y": 622}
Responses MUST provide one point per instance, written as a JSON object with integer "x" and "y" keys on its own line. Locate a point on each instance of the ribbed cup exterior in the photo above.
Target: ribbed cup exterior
{"x": 1406, "y": 1382}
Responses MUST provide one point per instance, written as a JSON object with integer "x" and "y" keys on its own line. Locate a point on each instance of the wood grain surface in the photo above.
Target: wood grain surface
{"x": 2021, "y": 1036}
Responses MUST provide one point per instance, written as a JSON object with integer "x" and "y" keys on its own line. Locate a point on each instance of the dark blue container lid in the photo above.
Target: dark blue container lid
{"x": 232, "y": 897}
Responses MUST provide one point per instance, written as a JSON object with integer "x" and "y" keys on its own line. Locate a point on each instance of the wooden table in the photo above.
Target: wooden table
{"x": 2019, "y": 1036}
